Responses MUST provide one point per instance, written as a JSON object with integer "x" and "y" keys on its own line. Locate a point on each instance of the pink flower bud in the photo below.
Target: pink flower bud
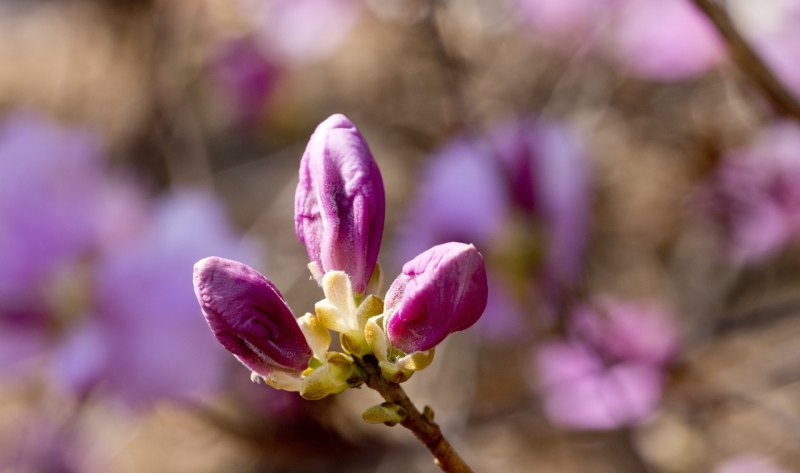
{"x": 249, "y": 316}
{"x": 441, "y": 291}
{"x": 340, "y": 202}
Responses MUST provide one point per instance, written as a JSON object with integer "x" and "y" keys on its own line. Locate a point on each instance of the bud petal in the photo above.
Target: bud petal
{"x": 394, "y": 373}
{"x": 340, "y": 202}
{"x": 441, "y": 291}
{"x": 249, "y": 317}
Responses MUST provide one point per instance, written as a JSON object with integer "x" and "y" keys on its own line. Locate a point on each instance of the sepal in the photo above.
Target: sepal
{"x": 416, "y": 361}
{"x": 376, "y": 338}
{"x": 387, "y": 413}
{"x": 338, "y": 310}
{"x": 333, "y": 375}
{"x": 316, "y": 333}
{"x": 355, "y": 343}
{"x": 394, "y": 373}
{"x": 284, "y": 380}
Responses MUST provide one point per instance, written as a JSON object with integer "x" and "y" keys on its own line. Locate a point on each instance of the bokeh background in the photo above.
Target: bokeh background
{"x": 636, "y": 195}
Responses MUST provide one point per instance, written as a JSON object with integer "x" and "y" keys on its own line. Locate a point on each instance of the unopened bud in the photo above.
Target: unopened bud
{"x": 441, "y": 291}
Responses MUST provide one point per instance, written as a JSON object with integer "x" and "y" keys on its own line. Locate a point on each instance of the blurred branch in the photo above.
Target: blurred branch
{"x": 749, "y": 62}
{"x": 450, "y": 64}
{"x": 759, "y": 317}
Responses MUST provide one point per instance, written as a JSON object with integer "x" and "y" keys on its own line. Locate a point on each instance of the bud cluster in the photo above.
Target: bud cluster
{"x": 339, "y": 217}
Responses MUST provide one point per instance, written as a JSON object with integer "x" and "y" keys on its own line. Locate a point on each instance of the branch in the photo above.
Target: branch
{"x": 782, "y": 100}
{"x": 421, "y": 425}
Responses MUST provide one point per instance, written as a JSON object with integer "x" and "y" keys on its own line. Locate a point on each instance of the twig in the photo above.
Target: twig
{"x": 749, "y": 62}
{"x": 422, "y": 426}
{"x": 758, "y": 317}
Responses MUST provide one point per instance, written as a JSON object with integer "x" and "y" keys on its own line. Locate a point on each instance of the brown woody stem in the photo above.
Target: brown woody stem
{"x": 422, "y": 426}
{"x": 749, "y": 62}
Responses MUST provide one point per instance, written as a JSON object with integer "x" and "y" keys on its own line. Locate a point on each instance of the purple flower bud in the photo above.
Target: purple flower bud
{"x": 339, "y": 203}
{"x": 249, "y": 316}
{"x": 442, "y": 290}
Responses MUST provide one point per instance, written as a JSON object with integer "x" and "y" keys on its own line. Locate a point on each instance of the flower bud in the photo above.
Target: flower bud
{"x": 250, "y": 318}
{"x": 442, "y": 290}
{"x": 339, "y": 203}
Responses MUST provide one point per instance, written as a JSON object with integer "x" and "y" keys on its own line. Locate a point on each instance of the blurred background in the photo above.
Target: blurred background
{"x": 635, "y": 193}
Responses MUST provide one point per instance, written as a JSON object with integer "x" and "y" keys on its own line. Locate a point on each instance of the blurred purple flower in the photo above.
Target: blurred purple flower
{"x": 441, "y": 291}
{"x": 756, "y": 192}
{"x": 779, "y": 51}
{"x": 156, "y": 347}
{"x": 340, "y": 202}
{"x": 564, "y": 23}
{"x": 580, "y": 392}
{"x": 245, "y": 77}
{"x": 48, "y": 203}
{"x": 300, "y": 31}
{"x": 665, "y": 39}
{"x": 609, "y": 372}
{"x": 48, "y": 191}
{"x": 653, "y": 39}
{"x": 504, "y": 318}
{"x": 475, "y": 189}
{"x": 750, "y": 463}
{"x": 94, "y": 274}
{"x": 461, "y": 197}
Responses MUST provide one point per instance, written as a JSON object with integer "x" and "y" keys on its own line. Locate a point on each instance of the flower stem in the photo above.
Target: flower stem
{"x": 421, "y": 425}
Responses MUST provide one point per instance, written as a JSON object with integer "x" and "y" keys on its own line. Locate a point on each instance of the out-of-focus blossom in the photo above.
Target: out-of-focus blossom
{"x": 546, "y": 171}
{"x": 609, "y": 371}
{"x": 580, "y": 392}
{"x": 48, "y": 203}
{"x": 441, "y": 291}
{"x": 94, "y": 272}
{"x": 249, "y": 317}
{"x": 245, "y": 78}
{"x": 461, "y": 197}
{"x": 478, "y": 190}
{"x": 652, "y": 39}
{"x": 750, "y": 463}
{"x": 665, "y": 39}
{"x": 564, "y": 22}
{"x": 299, "y": 31}
{"x": 756, "y": 192}
{"x": 48, "y": 191}
{"x": 140, "y": 306}
{"x": 627, "y": 330}
{"x": 143, "y": 331}
{"x": 340, "y": 202}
